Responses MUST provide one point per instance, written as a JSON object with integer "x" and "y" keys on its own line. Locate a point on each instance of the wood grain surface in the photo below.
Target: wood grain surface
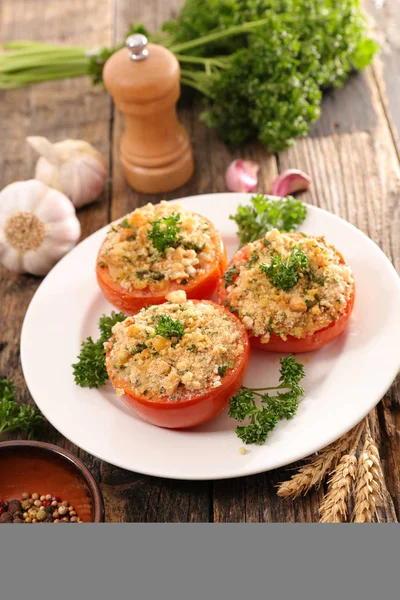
{"x": 352, "y": 156}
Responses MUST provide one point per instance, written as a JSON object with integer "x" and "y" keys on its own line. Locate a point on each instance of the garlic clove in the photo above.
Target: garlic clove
{"x": 71, "y": 166}
{"x": 12, "y": 259}
{"x": 290, "y": 181}
{"x": 38, "y": 263}
{"x": 67, "y": 231}
{"x": 54, "y": 205}
{"x": 241, "y": 175}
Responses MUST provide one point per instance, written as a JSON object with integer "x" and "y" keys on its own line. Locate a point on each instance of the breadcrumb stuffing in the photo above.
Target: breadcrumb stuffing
{"x": 171, "y": 368}
{"x": 317, "y": 299}
{"x": 134, "y": 262}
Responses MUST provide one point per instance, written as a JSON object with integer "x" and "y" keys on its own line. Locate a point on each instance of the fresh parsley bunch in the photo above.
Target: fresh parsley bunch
{"x": 14, "y": 416}
{"x": 267, "y": 82}
{"x": 254, "y": 220}
{"x": 90, "y": 369}
{"x": 262, "y": 418}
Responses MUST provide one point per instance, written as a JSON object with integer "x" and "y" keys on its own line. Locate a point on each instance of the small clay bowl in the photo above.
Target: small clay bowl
{"x": 47, "y": 469}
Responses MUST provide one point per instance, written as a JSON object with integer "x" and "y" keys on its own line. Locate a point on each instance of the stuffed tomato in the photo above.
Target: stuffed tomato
{"x": 158, "y": 249}
{"x": 177, "y": 364}
{"x": 293, "y": 292}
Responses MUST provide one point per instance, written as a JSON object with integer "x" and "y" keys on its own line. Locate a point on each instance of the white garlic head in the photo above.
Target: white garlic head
{"x": 38, "y": 225}
{"x": 72, "y": 166}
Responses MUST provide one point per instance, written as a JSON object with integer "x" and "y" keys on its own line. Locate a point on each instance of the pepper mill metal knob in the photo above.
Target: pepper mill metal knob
{"x": 144, "y": 81}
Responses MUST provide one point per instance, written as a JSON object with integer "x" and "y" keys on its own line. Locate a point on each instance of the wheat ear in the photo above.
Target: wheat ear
{"x": 369, "y": 481}
{"x": 313, "y": 473}
{"x": 334, "y": 506}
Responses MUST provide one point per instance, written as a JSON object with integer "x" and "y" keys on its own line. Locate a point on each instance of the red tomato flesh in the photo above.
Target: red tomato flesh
{"x": 198, "y": 408}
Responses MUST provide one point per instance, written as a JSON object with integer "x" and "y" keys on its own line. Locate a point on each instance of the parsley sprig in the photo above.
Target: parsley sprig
{"x": 283, "y": 405}
{"x": 164, "y": 232}
{"x": 169, "y": 328}
{"x": 14, "y": 416}
{"x": 263, "y": 214}
{"x": 284, "y": 274}
{"x": 90, "y": 370}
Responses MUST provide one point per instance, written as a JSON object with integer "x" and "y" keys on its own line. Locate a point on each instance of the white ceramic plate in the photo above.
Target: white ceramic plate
{"x": 343, "y": 381}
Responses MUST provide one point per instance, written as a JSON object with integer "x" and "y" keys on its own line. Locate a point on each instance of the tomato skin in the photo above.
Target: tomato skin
{"x": 197, "y": 409}
{"x": 131, "y": 301}
{"x": 292, "y": 344}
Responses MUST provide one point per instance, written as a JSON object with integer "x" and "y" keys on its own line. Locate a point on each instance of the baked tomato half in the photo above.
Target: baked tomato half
{"x": 136, "y": 267}
{"x": 286, "y": 319}
{"x": 183, "y": 380}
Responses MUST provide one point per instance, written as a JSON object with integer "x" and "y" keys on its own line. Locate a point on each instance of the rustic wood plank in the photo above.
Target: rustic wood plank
{"x": 384, "y": 16}
{"x": 57, "y": 110}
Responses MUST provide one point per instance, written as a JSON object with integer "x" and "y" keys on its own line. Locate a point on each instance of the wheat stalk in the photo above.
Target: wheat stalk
{"x": 369, "y": 481}
{"x": 313, "y": 473}
{"x": 334, "y": 506}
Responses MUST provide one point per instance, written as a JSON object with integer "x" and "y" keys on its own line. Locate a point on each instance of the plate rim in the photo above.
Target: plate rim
{"x": 243, "y": 197}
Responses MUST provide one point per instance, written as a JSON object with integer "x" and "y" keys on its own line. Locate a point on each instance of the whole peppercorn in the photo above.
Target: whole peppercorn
{"x": 34, "y": 520}
{"x": 25, "y": 495}
{"x": 28, "y": 520}
{"x": 26, "y": 504}
{"x": 62, "y": 510}
{"x": 65, "y": 520}
{"x": 65, "y": 503}
{"x": 17, "y": 515}
{"x": 42, "y": 498}
{"x": 74, "y": 519}
{"x": 37, "y": 503}
{"x": 49, "y": 510}
{"x": 14, "y": 506}
{"x": 57, "y": 521}
{"x": 35, "y": 496}
{"x": 49, "y": 497}
{"x": 25, "y": 514}
{"x": 6, "y": 517}
{"x": 46, "y": 503}
{"x": 55, "y": 514}
{"x": 72, "y": 513}
{"x": 17, "y": 520}
{"x": 41, "y": 516}
{"x": 56, "y": 498}
{"x": 54, "y": 503}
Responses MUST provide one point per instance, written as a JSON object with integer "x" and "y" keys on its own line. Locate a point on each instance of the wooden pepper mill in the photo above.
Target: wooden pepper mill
{"x": 144, "y": 81}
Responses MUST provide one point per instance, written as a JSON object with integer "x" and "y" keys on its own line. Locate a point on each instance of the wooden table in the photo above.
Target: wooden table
{"x": 352, "y": 156}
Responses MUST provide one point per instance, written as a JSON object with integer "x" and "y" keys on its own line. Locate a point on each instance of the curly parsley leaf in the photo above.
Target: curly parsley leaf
{"x": 169, "y": 328}
{"x": 14, "y": 416}
{"x": 230, "y": 275}
{"x": 284, "y": 274}
{"x": 164, "y": 232}
{"x": 263, "y": 418}
{"x": 90, "y": 370}
{"x": 263, "y": 214}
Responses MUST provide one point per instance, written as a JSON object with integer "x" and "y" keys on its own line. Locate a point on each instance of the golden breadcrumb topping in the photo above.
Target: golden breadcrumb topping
{"x": 174, "y": 350}
{"x": 136, "y": 260}
{"x": 323, "y": 288}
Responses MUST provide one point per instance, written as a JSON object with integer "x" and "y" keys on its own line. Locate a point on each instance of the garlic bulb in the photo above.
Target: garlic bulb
{"x": 72, "y": 166}
{"x": 38, "y": 225}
